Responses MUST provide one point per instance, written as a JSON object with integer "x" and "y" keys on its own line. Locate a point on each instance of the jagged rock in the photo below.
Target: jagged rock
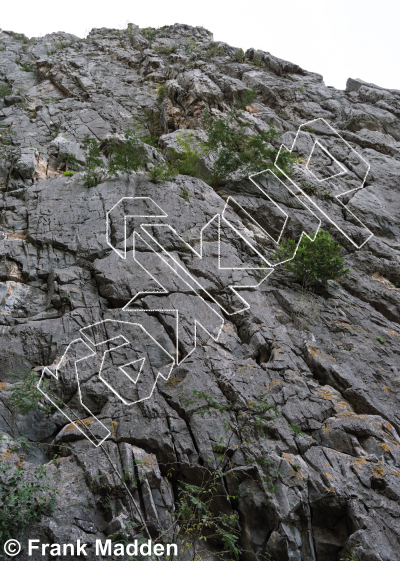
{"x": 321, "y": 477}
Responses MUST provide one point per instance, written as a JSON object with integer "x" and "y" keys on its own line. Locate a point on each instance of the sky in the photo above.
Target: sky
{"x": 339, "y": 39}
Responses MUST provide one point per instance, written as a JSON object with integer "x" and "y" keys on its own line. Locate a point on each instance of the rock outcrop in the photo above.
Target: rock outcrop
{"x": 320, "y": 479}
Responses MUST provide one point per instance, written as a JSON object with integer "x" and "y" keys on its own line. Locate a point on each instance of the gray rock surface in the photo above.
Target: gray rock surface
{"x": 324, "y": 478}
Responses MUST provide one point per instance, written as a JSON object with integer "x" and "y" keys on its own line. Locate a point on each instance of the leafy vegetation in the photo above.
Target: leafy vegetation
{"x": 161, "y": 172}
{"x": 150, "y": 34}
{"x": 124, "y": 157}
{"x": 146, "y": 123}
{"x": 26, "y": 67}
{"x": 20, "y": 37}
{"x": 315, "y": 262}
{"x": 240, "y": 154}
{"x": 238, "y": 55}
{"x": 349, "y": 556}
{"x": 4, "y": 90}
{"x": 247, "y": 98}
{"x": 197, "y": 520}
{"x": 381, "y": 340}
{"x": 25, "y": 395}
{"x": 257, "y": 59}
{"x": 185, "y": 194}
{"x": 21, "y": 500}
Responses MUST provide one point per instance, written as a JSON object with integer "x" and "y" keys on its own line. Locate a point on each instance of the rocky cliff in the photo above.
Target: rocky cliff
{"x": 280, "y": 413}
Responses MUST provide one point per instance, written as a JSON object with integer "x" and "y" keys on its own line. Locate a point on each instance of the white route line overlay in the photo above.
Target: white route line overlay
{"x": 92, "y": 352}
{"x": 311, "y": 202}
{"x": 164, "y": 255}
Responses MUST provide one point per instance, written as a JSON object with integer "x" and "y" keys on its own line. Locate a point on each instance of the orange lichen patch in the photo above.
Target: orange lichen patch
{"x": 394, "y": 472}
{"x": 276, "y": 351}
{"x": 251, "y": 403}
{"x": 71, "y": 426}
{"x": 113, "y": 424}
{"x": 172, "y": 382}
{"x": 275, "y": 383}
{"x": 345, "y": 325}
{"x": 379, "y": 471}
{"x": 286, "y": 456}
{"x": 330, "y": 475}
{"x": 298, "y": 473}
{"x": 326, "y": 429}
{"x": 386, "y": 388}
{"x": 332, "y": 358}
{"x": 325, "y": 394}
{"x": 358, "y": 462}
{"x": 381, "y": 278}
{"x": 392, "y": 333}
{"x": 385, "y": 447}
{"x": 331, "y": 490}
{"x": 315, "y": 353}
{"x": 388, "y": 426}
{"x": 3, "y": 386}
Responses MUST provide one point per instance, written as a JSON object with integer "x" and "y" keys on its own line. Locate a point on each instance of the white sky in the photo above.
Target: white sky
{"x": 339, "y": 39}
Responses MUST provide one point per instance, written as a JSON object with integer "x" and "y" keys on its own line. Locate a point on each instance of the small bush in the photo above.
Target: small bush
{"x": 5, "y": 90}
{"x": 20, "y": 37}
{"x": 238, "y": 56}
{"x": 248, "y": 97}
{"x": 161, "y": 95}
{"x": 26, "y": 67}
{"x": 315, "y": 262}
{"x": 150, "y": 33}
{"x": 381, "y": 340}
{"x": 25, "y": 395}
{"x": 124, "y": 157}
{"x": 22, "y": 501}
{"x": 68, "y": 173}
{"x": 161, "y": 172}
{"x": 185, "y": 194}
{"x": 147, "y": 125}
{"x": 257, "y": 59}
{"x": 187, "y": 162}
{"x": 239, "y": 154}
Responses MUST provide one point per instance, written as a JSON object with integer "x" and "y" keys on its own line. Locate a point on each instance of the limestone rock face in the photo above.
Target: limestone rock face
{"x": 319, "y": 479}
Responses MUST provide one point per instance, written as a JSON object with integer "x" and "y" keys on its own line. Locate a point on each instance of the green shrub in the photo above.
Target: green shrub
{"x": 20, "y": 37}
{"x": 150, "y": 33}
{"x": 239, "y": 154}
{"x": 189, "y": 46}
{"x": 68, "y": 173}
{"x": 247, "y": 98}
{"x": 238, "y": 56}
{"x": 381, "y": 340}
{"x": 22, "y": 501}
{"x": 161, "y": 95}
{"x": 26, "y": 67}
{"x": 185, "y": 194}
{"x": 25, "y": 395}
{"x": 257, "y": 59}
{"x": 5, "y": 90}
{"x": 315, "y": 262}
{"x": 161, "y": 172}
{"x": 166, "y": 50}
{"x": 187, "y": 161}
{"x": 147, "y": 125}
{"x": 124, "y": 157}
